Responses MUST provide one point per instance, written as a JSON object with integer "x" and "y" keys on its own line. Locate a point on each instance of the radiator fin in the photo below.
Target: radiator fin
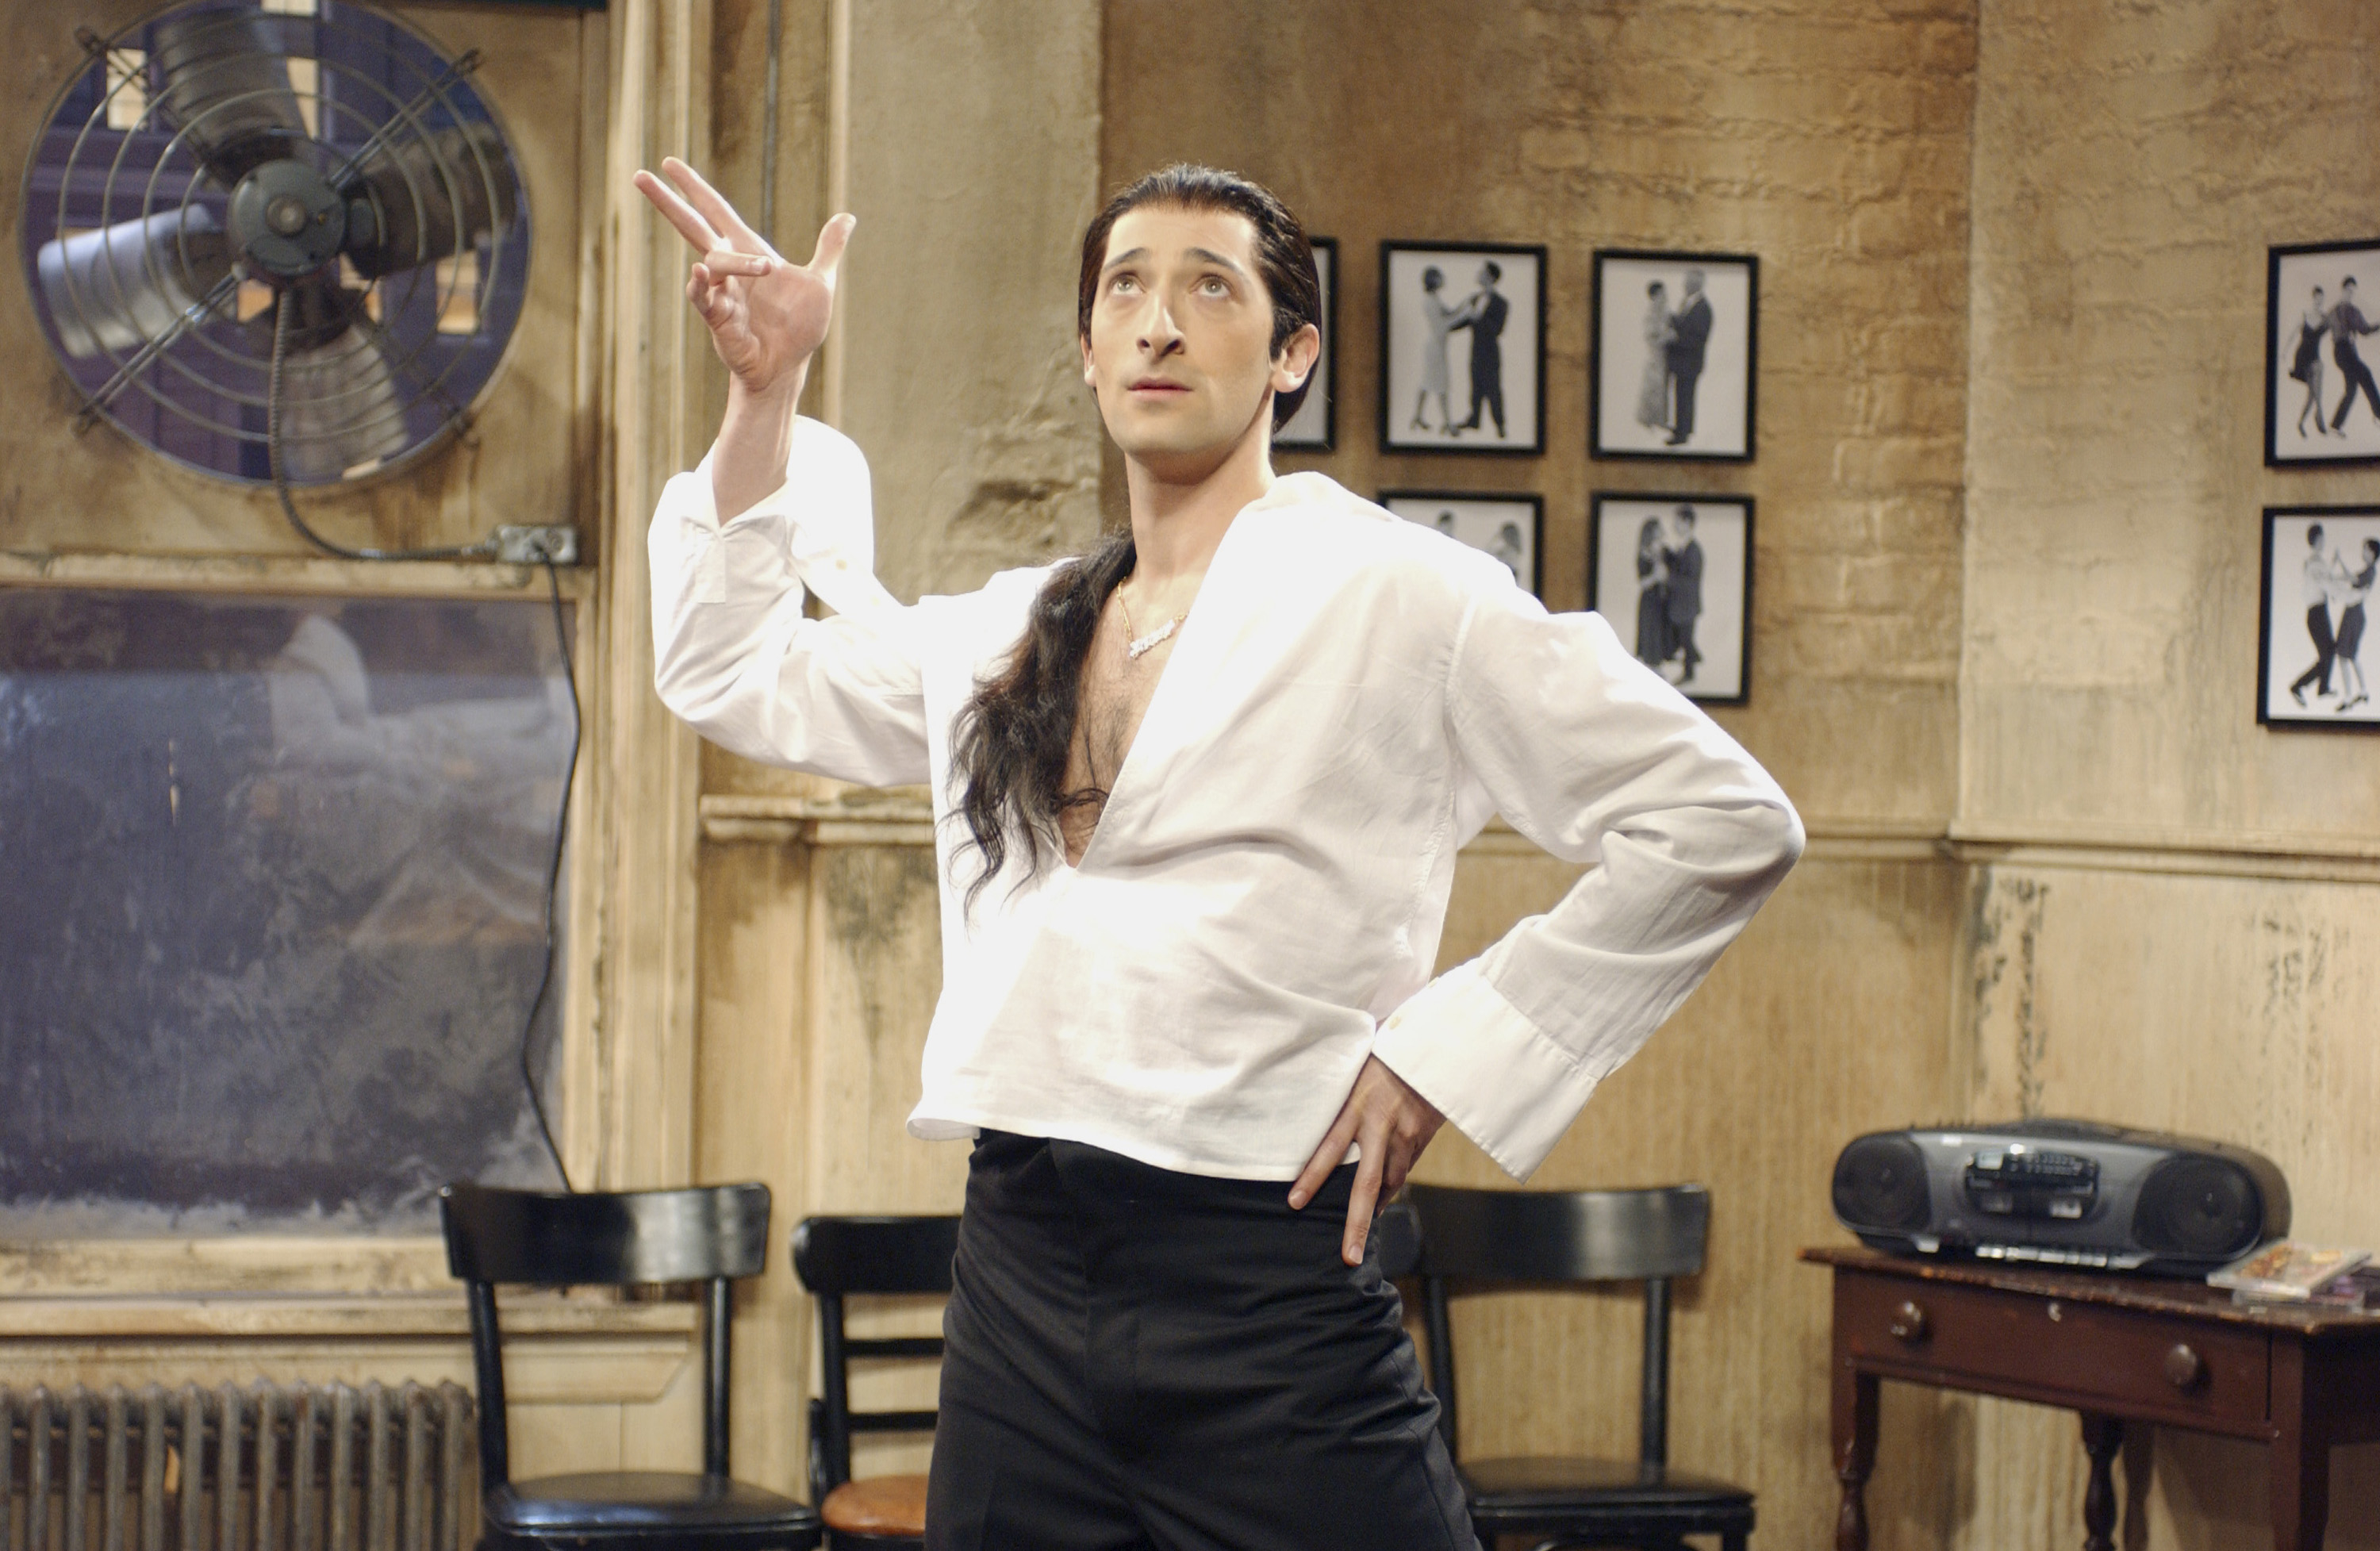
{"x": 294, "y": 1466}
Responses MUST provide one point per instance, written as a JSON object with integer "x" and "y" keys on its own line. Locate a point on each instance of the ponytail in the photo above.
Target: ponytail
{"x": 1009, "y": 742}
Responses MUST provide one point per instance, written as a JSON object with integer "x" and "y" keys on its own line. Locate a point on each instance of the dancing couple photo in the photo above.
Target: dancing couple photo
{"x": 2322, "y": 402}
{"x": 1462, "y": 348}
{"x": 2320, "y": 566}
{"x": 1673, "y": 576}
{"x": 1673, "y": 368}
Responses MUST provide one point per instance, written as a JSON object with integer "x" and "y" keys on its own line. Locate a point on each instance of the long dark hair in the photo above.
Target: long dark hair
{"x": 1009, "y": 742}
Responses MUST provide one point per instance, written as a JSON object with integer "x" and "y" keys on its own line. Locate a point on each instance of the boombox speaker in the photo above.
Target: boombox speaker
{"x": 2069, "y": 1193}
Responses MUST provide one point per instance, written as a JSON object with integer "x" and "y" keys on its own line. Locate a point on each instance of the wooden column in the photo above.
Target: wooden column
{"x": 643, "y": 1057}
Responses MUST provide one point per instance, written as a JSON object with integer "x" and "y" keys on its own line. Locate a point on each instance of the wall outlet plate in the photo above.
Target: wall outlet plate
{"x": 522, "y": 544}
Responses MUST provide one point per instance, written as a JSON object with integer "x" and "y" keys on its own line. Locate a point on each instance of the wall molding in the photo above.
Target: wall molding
{"x": 906, "y": 817}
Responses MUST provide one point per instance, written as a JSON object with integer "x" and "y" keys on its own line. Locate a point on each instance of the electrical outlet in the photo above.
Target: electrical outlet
{"x": 524, "y": 545}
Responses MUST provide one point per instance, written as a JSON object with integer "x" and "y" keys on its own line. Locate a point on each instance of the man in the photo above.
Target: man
{"x": 1684, "y": 558}
{"x": 1187, "y": 935}
{"x": 2346, "y": 324}
{"x": 1483, "y": 315}
{"x": 1689, "y": 342}
{"x": 2317, "y": 573}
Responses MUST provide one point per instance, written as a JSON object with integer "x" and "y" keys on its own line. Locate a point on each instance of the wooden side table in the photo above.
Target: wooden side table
{"x": 2116, "y": 1349}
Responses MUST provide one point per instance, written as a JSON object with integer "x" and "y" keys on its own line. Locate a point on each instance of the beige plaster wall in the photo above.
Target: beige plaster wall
{"x": 2133, "y": 164}
{"x": 1830, "y": 136}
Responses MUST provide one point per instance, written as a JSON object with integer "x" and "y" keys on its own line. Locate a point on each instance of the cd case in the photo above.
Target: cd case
{"x": 2287, "y": 1271}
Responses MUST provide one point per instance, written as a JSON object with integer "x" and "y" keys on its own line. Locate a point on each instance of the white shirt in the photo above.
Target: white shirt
{"x": 1350, "y": 700}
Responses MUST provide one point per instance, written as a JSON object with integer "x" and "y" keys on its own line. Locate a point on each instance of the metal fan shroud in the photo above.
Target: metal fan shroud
{"x": 219, "y": 168}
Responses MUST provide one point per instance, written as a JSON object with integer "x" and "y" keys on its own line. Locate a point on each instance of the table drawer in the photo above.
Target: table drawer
{"x": 2073, "y": 1353}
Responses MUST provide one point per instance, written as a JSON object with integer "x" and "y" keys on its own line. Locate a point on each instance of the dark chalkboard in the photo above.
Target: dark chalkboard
{"x": 272, "y": 884}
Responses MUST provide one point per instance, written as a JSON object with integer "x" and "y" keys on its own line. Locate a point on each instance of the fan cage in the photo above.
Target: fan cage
{"x": 363, "y": 79}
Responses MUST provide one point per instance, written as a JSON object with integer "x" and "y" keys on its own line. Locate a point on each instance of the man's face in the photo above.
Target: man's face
{"x": 1180, "y": 346}
{"x": 1681, "y": 527}
{"x": 1487, "y": 278}
{"x": 1694, "y": 282}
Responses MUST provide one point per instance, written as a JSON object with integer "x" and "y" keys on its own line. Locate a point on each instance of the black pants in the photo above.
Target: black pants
{"x": 1140, "y": 1360}
{"x": 2359, "y": 379}
{"x": 1486, "y": 389}
{"x": 2325, "y": 649}
{"x": 1682, "y": 632}
{"x": 1687, "y": 376}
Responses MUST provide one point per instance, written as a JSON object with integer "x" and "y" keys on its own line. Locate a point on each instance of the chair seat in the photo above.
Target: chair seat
{"x": 888, "y": 1505}
{"x": 1522, "y": 1492}
{"x": 646, "y": 1504}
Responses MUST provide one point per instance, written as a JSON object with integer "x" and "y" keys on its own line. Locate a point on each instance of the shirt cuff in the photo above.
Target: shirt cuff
{"x": 1488, "y": 1070}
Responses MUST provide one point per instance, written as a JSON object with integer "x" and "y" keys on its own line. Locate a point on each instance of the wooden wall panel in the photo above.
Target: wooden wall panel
{"x": 2229, "y": 1007}
{"x": 1830, "y": 1016}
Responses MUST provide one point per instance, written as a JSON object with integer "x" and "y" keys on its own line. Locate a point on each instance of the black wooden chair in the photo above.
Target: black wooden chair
{"x": 836, "y": 1257}
{"x": 633, "y": 1237}
{"x": 1470, "y": 1237}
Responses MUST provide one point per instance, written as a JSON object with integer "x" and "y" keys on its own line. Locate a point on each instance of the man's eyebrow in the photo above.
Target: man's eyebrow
{"x": 1206, "y": 254}
{"x": 1214, "y": 258}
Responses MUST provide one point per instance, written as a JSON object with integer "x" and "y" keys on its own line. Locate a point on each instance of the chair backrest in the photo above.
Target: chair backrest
{"x": 882, "y": 1256}
{"x": 1561, "y": 1236}
{"x": 709, "y": 1234}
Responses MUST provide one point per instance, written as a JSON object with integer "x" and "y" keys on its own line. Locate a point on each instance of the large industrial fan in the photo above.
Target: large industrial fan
{"x": 280, "y": 243}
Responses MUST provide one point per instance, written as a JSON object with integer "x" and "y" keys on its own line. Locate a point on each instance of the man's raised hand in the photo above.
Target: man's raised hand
{"x": 767, "y": 317}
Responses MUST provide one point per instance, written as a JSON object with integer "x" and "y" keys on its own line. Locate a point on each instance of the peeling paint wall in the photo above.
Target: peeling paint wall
{"x": 2132, "y": 162}
{"x": 974, "y": 144}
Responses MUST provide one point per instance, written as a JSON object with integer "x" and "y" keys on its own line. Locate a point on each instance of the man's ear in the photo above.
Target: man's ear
{"x": 1294, "y": 362}
{"x": 1089, "y": 382}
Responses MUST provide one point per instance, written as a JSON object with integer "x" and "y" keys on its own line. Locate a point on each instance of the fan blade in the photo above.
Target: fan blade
{"x": 339, "y": 409}
{"x": 431, "y": 197}
{"x": 227, "y": 90}
{"x": 122, "y": 285}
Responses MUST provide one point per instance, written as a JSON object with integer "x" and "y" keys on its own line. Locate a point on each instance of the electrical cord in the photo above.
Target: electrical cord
{"x": 554, "y": 869}
{"x": 569, "y": 674}
{"x": 281, "y": 478}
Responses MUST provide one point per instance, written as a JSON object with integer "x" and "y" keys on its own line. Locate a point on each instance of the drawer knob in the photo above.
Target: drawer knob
{"x": 1909, "y": 1323}
{"x": 2184, "y": 1369}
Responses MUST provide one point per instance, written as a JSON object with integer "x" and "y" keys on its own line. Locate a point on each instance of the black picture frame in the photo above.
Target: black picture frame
{"x": 2291, "y": 271}
{"x": 1610, "y": 512}
{"x": 1735, "y": 440}
{"x": 1396, "y": 377}
{"x": 1315, "y": 427}
{"x": 1415, "y": 502}
{"x": 2285, "y": 632}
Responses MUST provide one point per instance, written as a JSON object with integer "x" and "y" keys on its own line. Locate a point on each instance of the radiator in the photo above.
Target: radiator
{"x": 273, "y": 1467}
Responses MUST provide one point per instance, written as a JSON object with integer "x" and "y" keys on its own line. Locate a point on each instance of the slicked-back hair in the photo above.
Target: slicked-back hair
{"x": 1009, "y": 742}
{"x": 1284, "y": 257}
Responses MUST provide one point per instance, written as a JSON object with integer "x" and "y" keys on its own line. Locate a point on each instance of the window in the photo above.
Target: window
{"x": 272, "y": 885}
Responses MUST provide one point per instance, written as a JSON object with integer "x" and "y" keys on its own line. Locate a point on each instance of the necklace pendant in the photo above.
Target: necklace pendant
{"x": 1155, "y": 638}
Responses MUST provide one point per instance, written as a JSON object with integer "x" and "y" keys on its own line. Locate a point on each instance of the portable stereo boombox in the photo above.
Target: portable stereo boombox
{"x": 2067, "y": 1193}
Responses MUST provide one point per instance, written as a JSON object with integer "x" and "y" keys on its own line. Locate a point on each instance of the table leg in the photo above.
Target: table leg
{"x": 1854, "y": 1419}
{"x": 2102, "y": 1436}
{"x": 2299, "y": 1462}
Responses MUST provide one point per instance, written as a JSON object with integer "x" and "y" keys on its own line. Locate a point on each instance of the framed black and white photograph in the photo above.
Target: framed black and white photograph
{"x": 1510, "y": 528}
{"x": 1674, "y": 355}
{"x": 1463, "y": 347}
{"x": 1315, "y": 427}
{"x": 2321, "y": 405}
{"x": 1672, "y": 574}
{"x": 2319, "y": 563}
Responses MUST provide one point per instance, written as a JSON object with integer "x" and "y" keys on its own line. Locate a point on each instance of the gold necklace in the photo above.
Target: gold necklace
{"x": 1137, "y": 646}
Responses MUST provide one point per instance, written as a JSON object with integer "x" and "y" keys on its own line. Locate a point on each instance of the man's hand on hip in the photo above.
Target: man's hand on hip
{"x": 1392, "y": 1124}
